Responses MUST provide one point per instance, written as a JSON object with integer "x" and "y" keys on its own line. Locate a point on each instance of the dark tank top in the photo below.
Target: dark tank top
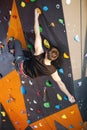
{"x": 35, "y": 67}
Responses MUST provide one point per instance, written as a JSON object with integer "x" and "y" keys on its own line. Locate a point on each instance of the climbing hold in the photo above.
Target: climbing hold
{"x": 40, "y": 124}
{"x": 45, "y": 8}
{"x": 27, "y": 1}
{"x": 23, "y": 90}
{"x": 28, "y": 121}
{"x": 16, "y": 122}
{"x": 61, "y": 71}
{"x": 65, "y": 55}
{"x": 34, "y": 101}
{"x": 57, "y": 106}
{"x": 64, "y": 116}
{"x": 65, "y": 98}
{"x": 69, "y": 75}
{"x": 32, "y": 0}
{"x": 3, "y": 113}
{"x": 59, "y": 97}
{"x": 61, "y": 21}
{"x": 76, "y": 38}
{"x": 52, "y": 24}
{"x": 30, "y": 82}
{"x": 72, "y": 112}
{"x": 47, "y": 105}
{"x": 31, "y": 109}
{"x": 27, "y": 99}
{"x": 22, "y": 82}
{"x": 79, "y": 83}
{"x": 23, "y": 4}
{"x": 46, "y": 43}
{"x": 29, "y": 46}
{"x": 48, "y": 83}
{"x": 41, "y": 29}
{"x": 39, "y": 111}
{"x": 5, "y": 18}
{"x": 57, "y": 6}
{"x": 68, "y": 2}
{"x": 71, "y": 126}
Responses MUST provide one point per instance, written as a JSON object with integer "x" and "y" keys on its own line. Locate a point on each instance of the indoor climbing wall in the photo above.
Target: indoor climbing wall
{"x": 39, "y": 103}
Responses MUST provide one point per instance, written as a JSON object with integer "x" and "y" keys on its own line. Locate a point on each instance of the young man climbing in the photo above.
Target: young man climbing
{"x": 40, "y": 63}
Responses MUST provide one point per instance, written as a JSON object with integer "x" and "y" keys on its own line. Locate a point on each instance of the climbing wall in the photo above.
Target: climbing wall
{"x": 39, "y": 103}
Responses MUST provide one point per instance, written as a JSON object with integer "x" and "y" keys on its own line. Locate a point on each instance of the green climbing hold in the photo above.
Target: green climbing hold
{"x": 47, "y": 105}
{"x": 61, "y": 21}
{"x": 29, "y": 46}
{"x": 32, "y": 0}
{"x": 41, "y": 29}
{"x": 48, "y": 83}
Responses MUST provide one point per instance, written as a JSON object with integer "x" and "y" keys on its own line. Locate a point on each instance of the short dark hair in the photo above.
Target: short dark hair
{"x": 52, "y": 53}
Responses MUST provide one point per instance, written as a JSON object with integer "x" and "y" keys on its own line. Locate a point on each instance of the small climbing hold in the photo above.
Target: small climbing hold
{"x": 52, "y": 24}
{"x": 57, "y": 106}
{"x": 23, "y": 4}
{"x": 57, "y": 6}
{"x": 61, "y": 21}
{"x": 72, "y": 112}
{"x": 28, "y": 121}
{"x": 34, "y": 101}
{"x": 33, "y": 0}
{"x": 31, "y": 109}
{"x": 59, "y": 97}
{"x": 16, "y": 122}
{"x": 23, "y": 90}
{"x": 61, "y": 71}
{"x": 71, "y": 126}
{"x": 64, "y": 116}
{"x": 30, "y": 82}
{"x": 39, "y": 111}
{"x": 68, "y": 2}
{"x": 46, "y": 43}
{"x": 27, "y": 1}
{"x": 47, "y": 105}
{"x": 45, "y": 8}
{"x": 29, "y": 46}
{"x": 76, "y": 38}
{"x": 23, "y": 82}
{"x": 41, "y": 29}
{"x": 65, "y": 55}
{"x": 65, "y": 98}
{"x": 48, "y": 83}
{"x": 3, "y": 113}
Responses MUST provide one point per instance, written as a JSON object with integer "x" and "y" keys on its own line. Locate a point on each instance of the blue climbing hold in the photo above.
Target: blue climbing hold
{"x": 57, "y": 106}
{"x": 45, "y": 8}
{"x": 23, "y": 90}
{"x": 61, "y": 70}
{"x": 65, "y": 98}
{"x": 28, "y": 121}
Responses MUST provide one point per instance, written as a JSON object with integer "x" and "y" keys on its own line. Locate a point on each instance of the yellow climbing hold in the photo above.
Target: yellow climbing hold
{"x": 52, "y": 24}
{"x": 59, "y": 97}
{"x": 23, "y": 4}
{"x": 72, "y": 112}
{"x": 3, "y": 113}
{"x": 64, "y": 116}
{"x": 46, "y": 43}
{"x": 65, "y": 55}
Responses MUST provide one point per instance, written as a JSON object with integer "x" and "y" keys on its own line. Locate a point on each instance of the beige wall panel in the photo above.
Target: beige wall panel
{"x": 72, "y": 21}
